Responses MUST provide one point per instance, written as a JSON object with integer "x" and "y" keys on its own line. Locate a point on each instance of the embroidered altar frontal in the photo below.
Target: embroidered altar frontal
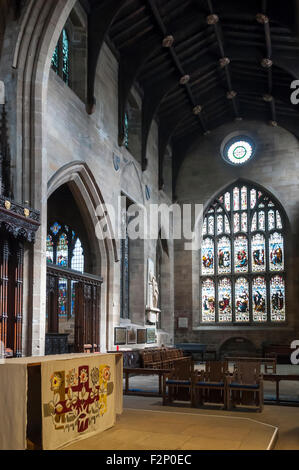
{"x": 66, "y": 398}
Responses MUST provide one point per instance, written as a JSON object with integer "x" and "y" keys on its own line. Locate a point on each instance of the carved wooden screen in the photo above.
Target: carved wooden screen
{"x": 86, "y": 316}
{"x": 85, "y": 295}
{"x": 11, "y": 295}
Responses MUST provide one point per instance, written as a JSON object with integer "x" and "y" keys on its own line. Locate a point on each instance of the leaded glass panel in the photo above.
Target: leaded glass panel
{"x": 276, "y": 252}
{"x": 242, "y": 299}
{"x": 271, "y": 220}
{"x": 277, "y": 296}
{"x": 225, "y": 300}
{"x": 258, "y": 259}
{"x": 224, "y": 255}
{"x": 241, "y": 254}
{"x": 236, "y": 196}
{"x": 208, "y": 300}
{"x": 207, "y": 256}
{"x": 219, "y": 224}
{"x": 259, "y": 299}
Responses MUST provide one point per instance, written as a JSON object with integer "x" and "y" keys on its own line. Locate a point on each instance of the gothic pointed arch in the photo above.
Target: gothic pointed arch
{"x": 243, "y": 258}
{"x": 91, "y": 204}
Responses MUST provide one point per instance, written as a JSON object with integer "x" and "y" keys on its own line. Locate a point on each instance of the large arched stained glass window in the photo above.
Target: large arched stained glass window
{"x": 243, "y": 259}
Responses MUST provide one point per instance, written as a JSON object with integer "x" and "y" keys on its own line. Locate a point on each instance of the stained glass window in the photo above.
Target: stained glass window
{"x": 65, "y": 56}
{"x": 64, "y": 247}
{"x": 239, "y": 152}
{"x": 208, "y": 300}
{"x": 61, "y": 57}
{"x": 243, "y": 258}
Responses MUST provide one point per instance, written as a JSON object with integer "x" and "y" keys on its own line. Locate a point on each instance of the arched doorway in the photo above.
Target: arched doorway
{"x": 237, "y": 346}
{"x": 73, "y": 288}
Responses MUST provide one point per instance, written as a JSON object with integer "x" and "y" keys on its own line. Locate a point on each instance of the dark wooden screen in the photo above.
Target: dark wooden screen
{"x": 11, "y": 294}
{"x": 86, "y": 315}
{"x": 87, "y": 305}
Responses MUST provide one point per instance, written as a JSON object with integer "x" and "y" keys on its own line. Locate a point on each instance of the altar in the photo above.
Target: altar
{"x": 50, "y": 401}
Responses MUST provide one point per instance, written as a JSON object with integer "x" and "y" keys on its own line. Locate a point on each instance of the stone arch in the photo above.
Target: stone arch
{"x": 235, "y": 345}
{"x": 91, "y": 205}
{"x": 35, "y": 35}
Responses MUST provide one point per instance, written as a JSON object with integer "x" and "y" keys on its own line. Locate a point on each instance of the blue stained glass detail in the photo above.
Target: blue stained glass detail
{"x": 126, "y": 131}
{"x": 55, "y": 228}
{"x": 65, "y": 56}
{"x": 55, "y": 59}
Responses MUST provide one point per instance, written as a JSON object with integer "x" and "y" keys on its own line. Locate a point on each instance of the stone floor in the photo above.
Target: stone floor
{"x": 146, "y": 424}
{"x": 144, "y": 429}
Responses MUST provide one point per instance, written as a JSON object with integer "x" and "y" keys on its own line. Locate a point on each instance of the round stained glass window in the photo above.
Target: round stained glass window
{"x": 238, "y": 150}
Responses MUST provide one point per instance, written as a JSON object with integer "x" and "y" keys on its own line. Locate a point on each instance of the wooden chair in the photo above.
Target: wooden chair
{"x": 177, "y": 385}
{"x": 245, "y": 386}
{"x": 210, "y": 385}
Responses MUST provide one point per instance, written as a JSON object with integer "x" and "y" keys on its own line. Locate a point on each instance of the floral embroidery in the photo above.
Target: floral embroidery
{"x": 79, "y": 398}
{"x": 106, "y": 374}
{"x": 72, "y": 378}
{"x": 56, "y": 381}
{"x": 83, "y": 376}
{"x": 95, "y": 375}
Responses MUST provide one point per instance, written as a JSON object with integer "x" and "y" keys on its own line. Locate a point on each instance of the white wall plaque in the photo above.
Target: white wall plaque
{"x": 183, "y": 322}
{"x": 2, "y": 92}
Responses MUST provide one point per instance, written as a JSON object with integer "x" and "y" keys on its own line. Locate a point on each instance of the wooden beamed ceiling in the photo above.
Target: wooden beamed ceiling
{"x": 199, "y": 63}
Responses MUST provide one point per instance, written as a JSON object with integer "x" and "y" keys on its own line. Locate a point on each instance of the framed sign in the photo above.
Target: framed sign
{"x": 120, "y": 335}
{"x": 131, "y": 336}
{"x": 150, "y": 335}
{"x": 141, "y": 336}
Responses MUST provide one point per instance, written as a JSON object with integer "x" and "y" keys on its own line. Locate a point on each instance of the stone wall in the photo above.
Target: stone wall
{"x": 74, "y": 136}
